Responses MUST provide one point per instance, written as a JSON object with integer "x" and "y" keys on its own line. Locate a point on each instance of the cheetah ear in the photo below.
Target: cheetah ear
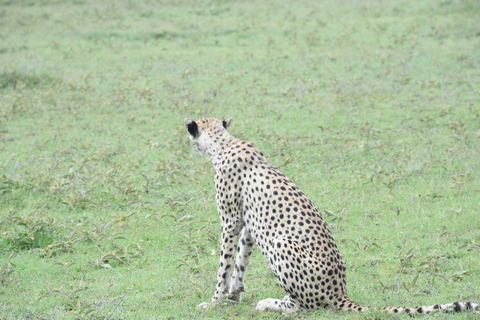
{"x": 191, "y": 127}
{"x": 226, "y": 123}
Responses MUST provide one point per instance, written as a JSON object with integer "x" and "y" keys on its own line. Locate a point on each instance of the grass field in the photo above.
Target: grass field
{"x": 371, "y": 107}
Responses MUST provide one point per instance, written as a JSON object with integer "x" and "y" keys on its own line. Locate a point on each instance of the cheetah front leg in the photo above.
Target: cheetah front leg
{"x": 245, "y": 248}
{"x": 230, "y": 235}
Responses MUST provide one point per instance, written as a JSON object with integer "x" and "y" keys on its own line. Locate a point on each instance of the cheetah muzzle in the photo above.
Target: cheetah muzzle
{"x": 259, "y": 205}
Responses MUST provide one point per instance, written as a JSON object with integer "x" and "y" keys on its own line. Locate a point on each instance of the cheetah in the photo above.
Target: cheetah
{"x": 258, "y": 205}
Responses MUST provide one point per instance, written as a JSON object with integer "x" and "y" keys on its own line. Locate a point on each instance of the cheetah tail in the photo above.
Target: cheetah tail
{"x": 345, "y": 304}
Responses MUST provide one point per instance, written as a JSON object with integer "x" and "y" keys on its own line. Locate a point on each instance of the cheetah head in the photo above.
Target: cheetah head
{"x": 207, "y": 134}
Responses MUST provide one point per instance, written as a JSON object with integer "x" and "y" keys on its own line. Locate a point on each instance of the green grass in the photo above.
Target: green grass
{"x": 371, "y": 107}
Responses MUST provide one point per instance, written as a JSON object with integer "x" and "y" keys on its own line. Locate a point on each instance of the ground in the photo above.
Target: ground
{"x": 371, "y": 107}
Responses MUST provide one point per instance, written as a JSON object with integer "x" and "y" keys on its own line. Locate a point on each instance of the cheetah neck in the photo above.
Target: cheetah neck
{"x": 218, "y": 149}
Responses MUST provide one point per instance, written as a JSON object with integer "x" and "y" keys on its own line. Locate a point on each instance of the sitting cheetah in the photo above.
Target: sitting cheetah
{"x": 259, "y": 205}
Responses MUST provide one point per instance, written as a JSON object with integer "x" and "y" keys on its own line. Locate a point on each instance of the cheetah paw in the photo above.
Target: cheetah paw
{"x": 267, "y": 304}
{"x": 211, "y": 305}
{"x": 286, "y": 305}
{"x": 205, "y": 305}
{"x": 235, "y": 296}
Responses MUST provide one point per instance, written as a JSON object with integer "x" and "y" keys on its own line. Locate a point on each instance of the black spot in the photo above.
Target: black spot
{"x": 458, "y": 307}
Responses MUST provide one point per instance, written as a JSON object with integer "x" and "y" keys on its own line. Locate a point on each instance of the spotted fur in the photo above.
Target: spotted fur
{"x": 259, "y": 205}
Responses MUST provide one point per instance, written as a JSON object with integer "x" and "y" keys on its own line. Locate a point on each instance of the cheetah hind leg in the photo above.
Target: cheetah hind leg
{"x": 283, "y": 256}
{"x": 287, "y": 305}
